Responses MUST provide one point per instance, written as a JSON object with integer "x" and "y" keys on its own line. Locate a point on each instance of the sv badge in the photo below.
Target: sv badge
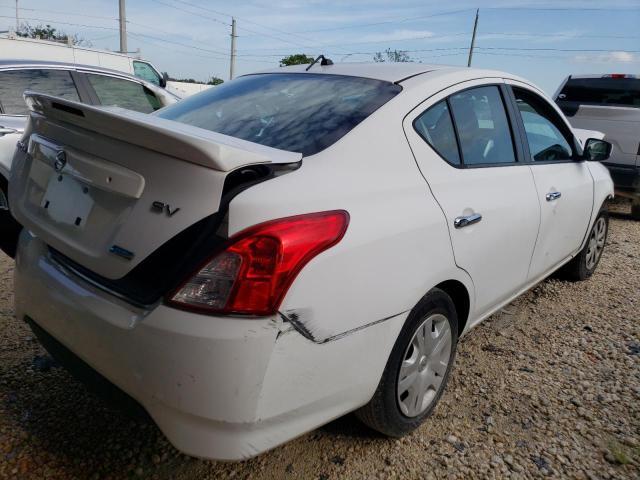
{"x": 160, "y": 207}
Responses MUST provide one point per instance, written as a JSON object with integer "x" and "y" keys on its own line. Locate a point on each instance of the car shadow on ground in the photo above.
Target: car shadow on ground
{"x": 350, "y": 426}
{"x": 55, "y": 415}
{"x": 622, "y": 216}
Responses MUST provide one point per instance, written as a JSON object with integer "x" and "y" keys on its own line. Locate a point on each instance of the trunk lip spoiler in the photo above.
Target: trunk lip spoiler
{"x": 188, "y": 143}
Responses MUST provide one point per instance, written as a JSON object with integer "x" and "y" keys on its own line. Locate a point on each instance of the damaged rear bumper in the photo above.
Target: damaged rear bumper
{"x": 218, "y": 387}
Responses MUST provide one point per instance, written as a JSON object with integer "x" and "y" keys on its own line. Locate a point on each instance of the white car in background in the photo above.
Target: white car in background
{"x": 92, "y": 85}
{"x": 266, "y": 256}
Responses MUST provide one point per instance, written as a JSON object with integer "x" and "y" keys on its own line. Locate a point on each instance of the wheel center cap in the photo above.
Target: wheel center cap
{"x": 423, "y": 363}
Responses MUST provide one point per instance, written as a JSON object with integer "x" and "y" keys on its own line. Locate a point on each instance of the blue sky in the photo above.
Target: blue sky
{"x": 540, "y": 40}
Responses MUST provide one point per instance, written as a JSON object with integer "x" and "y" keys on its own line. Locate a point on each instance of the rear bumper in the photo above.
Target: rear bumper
{"x": 222, "y": 388}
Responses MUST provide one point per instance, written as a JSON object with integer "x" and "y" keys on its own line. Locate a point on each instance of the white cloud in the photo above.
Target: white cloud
{"x": 607, "y": 57}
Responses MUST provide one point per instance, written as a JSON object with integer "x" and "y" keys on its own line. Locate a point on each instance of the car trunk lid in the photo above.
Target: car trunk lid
{"x": 107, "y": 187}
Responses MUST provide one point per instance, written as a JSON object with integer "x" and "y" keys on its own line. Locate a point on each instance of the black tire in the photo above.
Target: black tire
{"x": 578, "y": 269}
{"x": 383, "y": 412}
{"x": 635, "y": 210}
{"x": 9, "y": 227}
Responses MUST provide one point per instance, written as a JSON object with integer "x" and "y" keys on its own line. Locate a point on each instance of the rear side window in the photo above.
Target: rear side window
{"x": 543, "y": 128}
{"x": 51, "y": 82}
{"x": 436, "y": 128}
{"x": 117, "y": 92}
{"x": 601, "y": 91}
{"x": 482, "y": 125}
{"x": 303, "y": 113}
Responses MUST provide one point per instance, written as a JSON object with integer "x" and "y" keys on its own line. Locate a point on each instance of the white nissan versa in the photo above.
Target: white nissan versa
{"x": 261, "y": 258}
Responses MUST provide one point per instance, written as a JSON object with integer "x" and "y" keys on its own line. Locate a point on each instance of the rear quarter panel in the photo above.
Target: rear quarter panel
{"x": 396, "y": 247}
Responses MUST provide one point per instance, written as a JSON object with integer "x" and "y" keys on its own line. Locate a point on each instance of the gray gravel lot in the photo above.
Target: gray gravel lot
{"x": 548, "y": 387}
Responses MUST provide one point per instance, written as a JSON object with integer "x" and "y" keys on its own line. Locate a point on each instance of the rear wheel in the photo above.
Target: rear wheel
{"x": 585, "y": 263}
{"x": 417, "y": 370}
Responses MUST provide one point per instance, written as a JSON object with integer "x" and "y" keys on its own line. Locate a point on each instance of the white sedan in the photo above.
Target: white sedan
{"x": 261, "y": 258}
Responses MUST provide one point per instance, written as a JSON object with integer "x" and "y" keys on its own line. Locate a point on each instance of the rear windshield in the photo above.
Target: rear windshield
{"x": 303, "y": 113}
{"x": 602, "y": 91}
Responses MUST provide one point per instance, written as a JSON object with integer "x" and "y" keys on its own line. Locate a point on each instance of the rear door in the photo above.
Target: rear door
{"x": 464, "y": 145}
{"x": 564, "y": 184}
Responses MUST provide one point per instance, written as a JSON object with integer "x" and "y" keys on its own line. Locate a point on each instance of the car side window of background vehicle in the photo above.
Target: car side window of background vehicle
{"x": 543, "y": 128}
{"x": 112, "y": 91}
{"x": 52, "y": 82}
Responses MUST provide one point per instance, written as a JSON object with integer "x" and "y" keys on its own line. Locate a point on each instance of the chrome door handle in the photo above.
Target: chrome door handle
{"x": 6, "y": 130}
{"x": 551, "y": 196}
{"x": 467, "y": 220}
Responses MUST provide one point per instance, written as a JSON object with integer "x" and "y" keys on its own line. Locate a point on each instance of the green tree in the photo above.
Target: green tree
{"x": 215, "y": 81}
{"x": 297, "y": 59}
{"x": 47, "y": 32}
{"x": 392, "y": 56}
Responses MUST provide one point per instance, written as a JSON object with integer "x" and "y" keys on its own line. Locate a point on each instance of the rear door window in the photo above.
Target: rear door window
{"x": 51, "y": 82}
{"x": 483, "y": 128}
{"x": 118, "y": 92}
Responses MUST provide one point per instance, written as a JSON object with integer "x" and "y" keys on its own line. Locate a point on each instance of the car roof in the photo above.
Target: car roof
{"x": 20, "y": 64}
{"x": 387, "y": 71}
{"x": 394, "y": 72}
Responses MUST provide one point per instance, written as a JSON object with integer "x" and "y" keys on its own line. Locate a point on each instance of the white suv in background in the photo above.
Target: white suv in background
{"x": 261, "y": 258}
{"x": 92, "y": 85}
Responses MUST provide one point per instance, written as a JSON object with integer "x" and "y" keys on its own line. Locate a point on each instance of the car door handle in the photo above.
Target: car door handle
{"x": 551, "y": 196}
{"x": 6, "y": 130}
{"x": 467, "y": 220}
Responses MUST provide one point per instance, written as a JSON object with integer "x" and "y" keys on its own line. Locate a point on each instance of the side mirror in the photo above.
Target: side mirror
{"x": 164, "y": 79}
{"x": 596, "y": 150}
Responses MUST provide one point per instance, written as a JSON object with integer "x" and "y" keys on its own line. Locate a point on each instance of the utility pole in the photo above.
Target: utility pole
{"x": 17, "y": 18}
{"x": 473, "y": 38}
{"x": 232, "y": 66}
{"x": 123, "y": 28}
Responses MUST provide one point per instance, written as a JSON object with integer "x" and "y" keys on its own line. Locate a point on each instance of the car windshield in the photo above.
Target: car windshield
{"x": 303, "y": 113}
{"x": 602, "y": 91}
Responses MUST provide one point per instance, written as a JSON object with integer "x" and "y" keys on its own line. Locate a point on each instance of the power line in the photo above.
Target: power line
{"x": 62, "y": 23}
{"x": 156, "y": 42}
{"x": 192, "y": 13}
{"x": 567, "y": 9}
{"x": 243, "y": 19}
{"x": 58, "y": 12}
{"x": 343, "y": 45}
{"x": 527, "y": 49}
{"x": 217, "y": 52}
{"x": 198, "y": 14}
{"x": 567, "y": 35}
{"x": 401, "y": 20}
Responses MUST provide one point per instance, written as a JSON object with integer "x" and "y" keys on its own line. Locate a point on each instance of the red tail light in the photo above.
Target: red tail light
{"x": 253, "y": 273}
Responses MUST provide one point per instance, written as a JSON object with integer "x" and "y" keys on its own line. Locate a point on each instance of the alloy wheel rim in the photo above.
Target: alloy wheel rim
{"x": 424, "y": 365}
{"x": 596, "y": 243}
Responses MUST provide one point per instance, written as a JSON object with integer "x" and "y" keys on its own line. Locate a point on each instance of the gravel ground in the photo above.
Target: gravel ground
{"x": 548, "y": 387}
